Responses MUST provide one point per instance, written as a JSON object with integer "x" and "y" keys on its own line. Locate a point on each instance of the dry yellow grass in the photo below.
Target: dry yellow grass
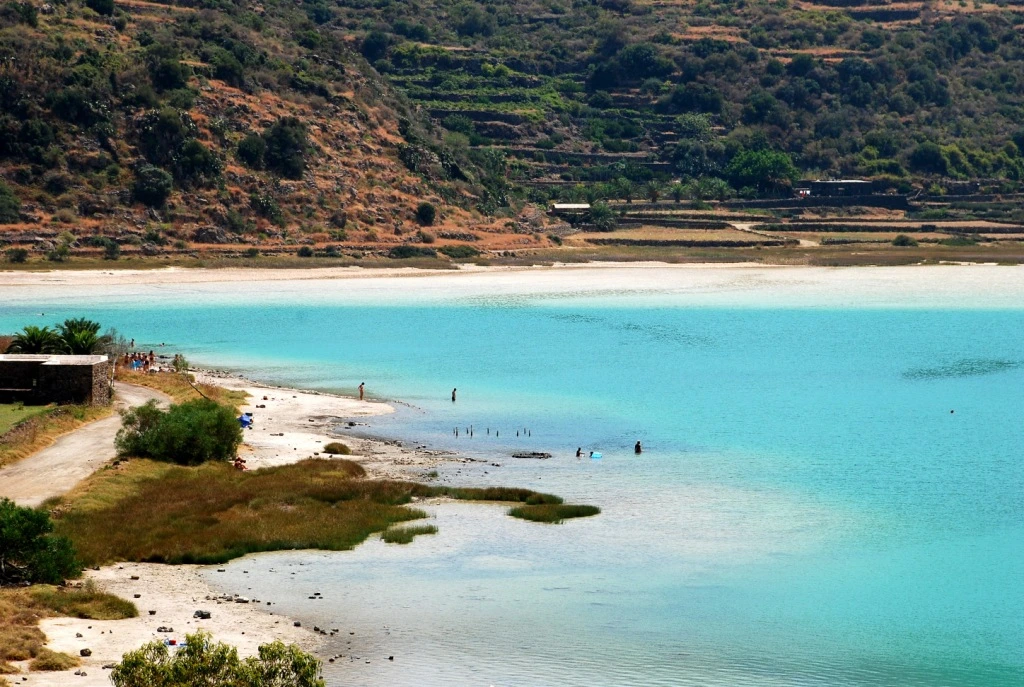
{"x": 21, "y": 610}
{"x": 179, "y": 389}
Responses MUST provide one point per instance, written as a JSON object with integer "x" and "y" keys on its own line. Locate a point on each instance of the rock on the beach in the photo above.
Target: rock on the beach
{"x": 85, "y": 652}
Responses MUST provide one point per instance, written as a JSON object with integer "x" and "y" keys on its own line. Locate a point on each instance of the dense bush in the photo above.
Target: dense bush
{"x": 426, "y": 213}
{"x": 251, "y": 150}
{"x": 188, "y": 433}
{"x": 17, "y": 255}
{"x": 459, "y": 252}
{"x": 104, "y": 7}
{"x": 403, "y": 252}
{"x": 286, "y": 147}
{"x": 152, "y": 185}
{"x": 903, "y": 240}
{"x": 28, "y": 550}
{"x": 305, "y": 252}
{"x": 336, "y": 448}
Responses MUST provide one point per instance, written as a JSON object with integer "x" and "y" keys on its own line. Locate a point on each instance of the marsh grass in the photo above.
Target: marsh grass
{"x": 22, "y": 608}
{"x": 405, "y": 535}
{"x": 39, "y": 431}
{"x": 552, "y": 513}
{"x": 178, "y": 388}
{"x": 214, "y": 513}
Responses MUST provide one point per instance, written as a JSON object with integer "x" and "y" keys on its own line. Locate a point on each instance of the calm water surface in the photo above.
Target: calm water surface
{"x": 808, "y": 510}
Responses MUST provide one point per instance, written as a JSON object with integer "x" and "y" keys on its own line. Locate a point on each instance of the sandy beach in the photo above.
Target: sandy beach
{"x": 167, "y": 597}
{"x": 981, "y": 285}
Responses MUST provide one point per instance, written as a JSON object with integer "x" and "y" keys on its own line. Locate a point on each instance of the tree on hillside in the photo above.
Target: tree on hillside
{"x": 765, "y": 170}
{"x": 201, "y": 661}
{"x": 34, "y": 339}
{"x": 28, "y": 551}
{"x": 286, "y": 146}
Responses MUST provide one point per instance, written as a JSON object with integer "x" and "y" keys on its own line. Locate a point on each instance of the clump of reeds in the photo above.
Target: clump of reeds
{"x": 552, "y": 512}
{"x": 53, "y": 660}
{"x": 404, "y": 535}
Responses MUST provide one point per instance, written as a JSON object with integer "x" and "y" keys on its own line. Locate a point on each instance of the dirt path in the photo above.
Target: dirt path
{"x": 749, "y": 228}
{"x": 74, "y": 456}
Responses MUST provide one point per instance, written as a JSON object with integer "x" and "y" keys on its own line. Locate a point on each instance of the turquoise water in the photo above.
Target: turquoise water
{"x": 808, "y": 510}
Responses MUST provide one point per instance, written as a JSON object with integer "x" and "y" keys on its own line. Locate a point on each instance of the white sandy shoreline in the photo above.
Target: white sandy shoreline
{"x": 744, "y": 284}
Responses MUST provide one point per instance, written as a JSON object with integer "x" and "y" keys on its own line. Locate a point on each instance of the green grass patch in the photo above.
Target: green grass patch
{"x": 42, "y": 429}
{"x": 405, "y": 535}
{"x": 336, "y": 448}
{"x": 213, "y": 513}
{"x": 552, "y": 513}
{"x": 13, "y": 413}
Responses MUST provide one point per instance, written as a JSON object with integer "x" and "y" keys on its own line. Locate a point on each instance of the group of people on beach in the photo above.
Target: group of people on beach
{"x": 139, "y": 361}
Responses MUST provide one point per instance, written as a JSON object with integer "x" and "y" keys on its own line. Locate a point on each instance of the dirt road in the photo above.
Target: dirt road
{"x": 73, "y": 457}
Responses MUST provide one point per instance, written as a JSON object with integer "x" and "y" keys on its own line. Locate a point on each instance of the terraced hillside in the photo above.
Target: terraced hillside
{"x": 157, "y": 129}
{"x": 709, "y": 99}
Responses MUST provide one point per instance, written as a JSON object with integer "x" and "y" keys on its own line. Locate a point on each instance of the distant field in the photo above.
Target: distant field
{"x": 654, "y": 236}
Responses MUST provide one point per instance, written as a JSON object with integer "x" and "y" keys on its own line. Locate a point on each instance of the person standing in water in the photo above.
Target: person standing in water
{"x": 638, "y": 449}
{"x": 453, "y": 395}
{"x": 361, "y": 387}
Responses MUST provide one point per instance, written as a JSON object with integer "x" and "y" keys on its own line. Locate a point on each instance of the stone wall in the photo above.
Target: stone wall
{"x": 32, "y": 381}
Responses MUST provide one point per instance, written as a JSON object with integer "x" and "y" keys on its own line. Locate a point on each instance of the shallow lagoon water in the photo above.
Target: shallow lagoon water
{"x": 807, "y": 511}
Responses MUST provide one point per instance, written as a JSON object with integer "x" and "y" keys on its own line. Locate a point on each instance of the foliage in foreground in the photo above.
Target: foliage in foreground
{"x": 214, "y": 513}
{"x": 202, "y": 661}
{"x": 188, "y": 433}
{"x": 28, "y": 550}
{"x": 22, "y": 608}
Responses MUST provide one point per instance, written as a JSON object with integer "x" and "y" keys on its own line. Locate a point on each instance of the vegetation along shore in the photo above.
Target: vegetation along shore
{"x": 198, "y": 490}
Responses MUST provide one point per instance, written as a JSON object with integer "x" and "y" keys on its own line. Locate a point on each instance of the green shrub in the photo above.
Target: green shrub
{"x": 426, "y": 213}
{"x": 111, "y": 250}
{"x": 403, "y": 252}
{"x": 459, "y": 252}
{"x": 10, "y": 205}
{"x": 201, "y": 661}
{"x": 17, "y": 255}
{"x": 903, "y": 240}
{"x": 28, "y": 550}
{"x": 188, "y": 433}
{"x": 286, "y": 146}
{"x": 265, "y": 205}
{"x": 305, "y": 252}
{"x": 152, "y": 186}
{"x": 251, "y": 150}
{"x": 336, "y": 448}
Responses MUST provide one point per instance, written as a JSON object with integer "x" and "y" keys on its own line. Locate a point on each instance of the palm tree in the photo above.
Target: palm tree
{"x": 34, "y": 339}
{"x": 80, "y": 336}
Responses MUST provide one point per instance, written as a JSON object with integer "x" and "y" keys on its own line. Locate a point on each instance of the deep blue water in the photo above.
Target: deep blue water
{"x": 807, "y": 511}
